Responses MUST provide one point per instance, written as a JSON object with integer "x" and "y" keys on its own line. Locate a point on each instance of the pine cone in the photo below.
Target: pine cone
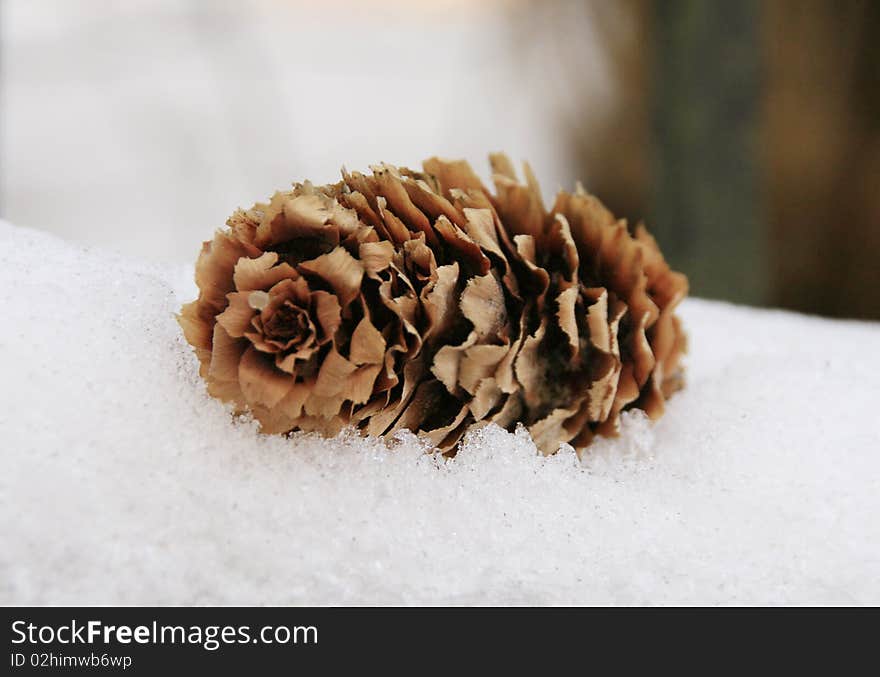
{"x": 420, "y": 300}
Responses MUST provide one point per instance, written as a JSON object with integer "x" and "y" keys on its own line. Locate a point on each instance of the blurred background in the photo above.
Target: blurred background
{"x": 746, "y": 134}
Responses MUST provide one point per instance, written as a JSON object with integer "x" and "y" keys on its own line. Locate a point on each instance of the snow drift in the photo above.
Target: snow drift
{"x": 125, "y": 483}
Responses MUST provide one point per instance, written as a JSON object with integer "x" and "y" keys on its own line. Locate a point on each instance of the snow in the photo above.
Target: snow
{"x": 123, "y": 482}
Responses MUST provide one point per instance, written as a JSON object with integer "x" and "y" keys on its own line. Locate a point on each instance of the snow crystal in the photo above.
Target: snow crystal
{"x": 124, "y": 482}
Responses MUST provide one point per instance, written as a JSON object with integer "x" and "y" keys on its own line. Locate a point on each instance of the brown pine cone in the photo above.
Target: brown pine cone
{"x": 420, "y": 300}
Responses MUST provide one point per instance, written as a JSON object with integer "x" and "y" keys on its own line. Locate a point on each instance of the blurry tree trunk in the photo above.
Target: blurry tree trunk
{"x": 674, "y": 140}
{"x": 706, "y": 203}
{"x": 612, "y": 151}
{"x": 821, "y": 148}
{"x": 589, "y": 59}
{"x": 748, "y": 134}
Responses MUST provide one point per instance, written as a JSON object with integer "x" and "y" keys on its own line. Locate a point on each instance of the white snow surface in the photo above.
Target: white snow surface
{"x": 124, "y": 482}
